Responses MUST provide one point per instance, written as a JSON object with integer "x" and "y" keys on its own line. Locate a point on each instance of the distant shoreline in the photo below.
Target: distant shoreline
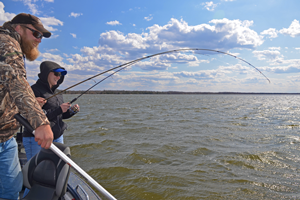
{"x": 169, "y": 92}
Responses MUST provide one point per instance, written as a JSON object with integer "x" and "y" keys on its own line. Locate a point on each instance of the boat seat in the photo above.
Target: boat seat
{"x": 46, "y": 175}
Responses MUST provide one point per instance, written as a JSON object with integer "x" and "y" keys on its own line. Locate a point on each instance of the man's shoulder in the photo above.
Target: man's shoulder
{"x": 8, "y": 43}
{"x": 10, "y": 51}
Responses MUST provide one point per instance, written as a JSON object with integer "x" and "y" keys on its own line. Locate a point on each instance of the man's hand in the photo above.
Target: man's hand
{"x": 44, "y": 136}
{"x": 41, "y": 101}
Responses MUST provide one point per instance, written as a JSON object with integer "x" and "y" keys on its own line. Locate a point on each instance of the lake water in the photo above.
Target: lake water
{"x": 189, "y": 147}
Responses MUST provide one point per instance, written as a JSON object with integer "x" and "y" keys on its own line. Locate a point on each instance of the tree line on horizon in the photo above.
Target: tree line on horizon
{"x": 156, "y": 92}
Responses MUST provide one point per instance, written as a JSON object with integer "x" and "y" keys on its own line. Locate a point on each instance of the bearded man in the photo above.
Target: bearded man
{"x": 19, "y": 39}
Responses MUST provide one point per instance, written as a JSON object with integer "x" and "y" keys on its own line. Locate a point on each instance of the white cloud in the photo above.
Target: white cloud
{"x": 267, "y": 54}
{"x": 52, "y": 50}
{"x": 208, "y": 74}
{"x": 49, "y": 56}
{"x": 210, "y": 6}
{"x": 5, "y": 16}
{"x": 294, "y": 68}
{"x": 50, "y": 1}
{"x": 293, "y": 30}
{"x": 114, "y": 23}
{"x": 221, "y": 71}
{"x": 56, "y": 58}
{"x": 149, "y": 18}
{"x": 275, "y": 48}
{"x": 277, "y": 63}
{"x": 73, "y": 35}
{"x": 53, "y": 35}
{"x": 116, "y": 48}
{"x": 32, "y": 6}
{"x": 223, "y": 34}
{"x": 75, "y": 14}
{"x": 271, "y": 33}
{"x": 49, "y": 22}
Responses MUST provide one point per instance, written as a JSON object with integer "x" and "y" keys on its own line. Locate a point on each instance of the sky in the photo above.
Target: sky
{"x": 92, "y": 36}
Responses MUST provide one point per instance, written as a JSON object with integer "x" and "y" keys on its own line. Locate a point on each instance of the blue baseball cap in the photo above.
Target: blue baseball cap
{"x": 62, "y": 71}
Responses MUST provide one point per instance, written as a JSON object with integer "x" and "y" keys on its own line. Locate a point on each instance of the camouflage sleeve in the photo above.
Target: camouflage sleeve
{"x": 19, "y": 96}
{"x": 23, "y": 96}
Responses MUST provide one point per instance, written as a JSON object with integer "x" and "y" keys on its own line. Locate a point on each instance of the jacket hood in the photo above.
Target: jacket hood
{"x": 45, "y": 68}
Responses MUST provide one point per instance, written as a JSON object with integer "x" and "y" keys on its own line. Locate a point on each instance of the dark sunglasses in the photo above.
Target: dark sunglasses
{"x": 35, "y": 33}
{"x": 57, "y": 73}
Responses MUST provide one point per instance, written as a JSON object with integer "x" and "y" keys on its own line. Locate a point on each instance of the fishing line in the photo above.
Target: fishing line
{"x": 123, "y": 66}
{"x": 95, "y": 85}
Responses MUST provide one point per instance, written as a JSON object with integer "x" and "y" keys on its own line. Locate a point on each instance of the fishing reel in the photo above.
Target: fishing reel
{"x": 73, "y": 110}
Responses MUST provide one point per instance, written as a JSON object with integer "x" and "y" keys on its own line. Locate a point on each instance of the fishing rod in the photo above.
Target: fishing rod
{"x": 95, "y": 85}
{"x": 123, "y": 66}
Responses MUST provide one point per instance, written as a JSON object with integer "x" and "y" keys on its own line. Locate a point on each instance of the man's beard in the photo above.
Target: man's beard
{"x": 31, "y": 52}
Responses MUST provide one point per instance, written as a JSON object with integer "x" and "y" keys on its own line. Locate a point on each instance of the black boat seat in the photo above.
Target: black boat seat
{"x": 46, "y": 175}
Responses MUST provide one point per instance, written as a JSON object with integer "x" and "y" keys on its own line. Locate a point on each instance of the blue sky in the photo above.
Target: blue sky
{"x": 91, "y": 36}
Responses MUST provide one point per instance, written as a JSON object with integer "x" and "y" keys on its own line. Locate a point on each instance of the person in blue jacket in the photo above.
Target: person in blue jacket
{"x": 50, "y": 77}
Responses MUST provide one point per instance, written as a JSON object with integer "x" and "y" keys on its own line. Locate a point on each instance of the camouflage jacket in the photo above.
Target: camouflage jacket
{"x": 16, "y": 95}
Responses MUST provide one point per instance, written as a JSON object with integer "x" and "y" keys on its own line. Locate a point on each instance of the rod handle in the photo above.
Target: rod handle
{"x": 24, "y": 122}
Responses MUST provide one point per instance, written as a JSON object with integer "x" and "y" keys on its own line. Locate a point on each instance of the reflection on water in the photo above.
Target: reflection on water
{"x": 189, "y": 146}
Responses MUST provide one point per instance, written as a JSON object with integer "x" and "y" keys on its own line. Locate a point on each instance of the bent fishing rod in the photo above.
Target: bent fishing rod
{"x": 125, "y": 65}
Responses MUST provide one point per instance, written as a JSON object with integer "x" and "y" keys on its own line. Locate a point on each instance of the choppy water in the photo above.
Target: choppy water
{"x": 189, "y": 147}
